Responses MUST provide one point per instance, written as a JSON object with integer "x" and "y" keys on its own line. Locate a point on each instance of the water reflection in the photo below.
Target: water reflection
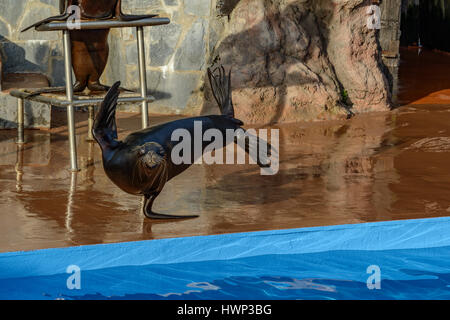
{"x": 19, "y": 168}
{"x": 197, "y": 287}
{"x": 299, "y": 284}
{"x": 332, "y": 171}
{"x": 69, "y": 211}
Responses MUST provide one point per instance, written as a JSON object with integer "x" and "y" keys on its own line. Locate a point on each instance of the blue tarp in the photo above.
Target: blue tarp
{"x": 319, "y": 262}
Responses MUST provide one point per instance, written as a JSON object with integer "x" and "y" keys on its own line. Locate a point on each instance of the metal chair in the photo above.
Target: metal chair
{"x": 70, "y": 101}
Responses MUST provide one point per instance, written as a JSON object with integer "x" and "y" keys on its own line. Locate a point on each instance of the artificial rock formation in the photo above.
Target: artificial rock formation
{"x": 298, "y": 60}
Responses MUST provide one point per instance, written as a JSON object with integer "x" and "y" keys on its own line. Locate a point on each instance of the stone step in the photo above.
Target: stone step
{"x": 37, "y": 115}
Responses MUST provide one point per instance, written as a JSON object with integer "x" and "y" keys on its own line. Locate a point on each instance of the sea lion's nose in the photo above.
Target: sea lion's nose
{"x": 155, "y": 157}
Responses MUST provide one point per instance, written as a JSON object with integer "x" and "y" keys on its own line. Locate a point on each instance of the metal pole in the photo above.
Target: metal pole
{"x": 20, "y": 121}
{"x": 90, "y": 137}
{"x": 142, "y": 75}
{"x": 104, "y": 24}
{"x": 70, "y": 107}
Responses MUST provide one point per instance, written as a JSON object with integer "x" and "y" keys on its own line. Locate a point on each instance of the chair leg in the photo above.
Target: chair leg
{"x": 142, "y": 75}
{"x": 70, "y": 107}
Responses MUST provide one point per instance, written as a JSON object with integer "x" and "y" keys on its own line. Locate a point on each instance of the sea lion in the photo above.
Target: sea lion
{"x": 142, "y": 163}
{"x": 90, "y": 49}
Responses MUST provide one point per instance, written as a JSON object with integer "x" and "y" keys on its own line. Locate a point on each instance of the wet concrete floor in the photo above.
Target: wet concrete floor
{"x": 374, "y": 167}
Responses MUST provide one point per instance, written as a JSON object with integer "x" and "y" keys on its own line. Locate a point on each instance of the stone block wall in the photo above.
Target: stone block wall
{"x": 32, "y": 51}
{"x": 176, "y": 54}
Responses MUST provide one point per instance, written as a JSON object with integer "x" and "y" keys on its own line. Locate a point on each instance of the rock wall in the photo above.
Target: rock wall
{"x": 302, "y": 60}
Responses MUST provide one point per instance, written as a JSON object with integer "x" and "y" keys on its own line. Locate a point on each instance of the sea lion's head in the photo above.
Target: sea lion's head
{"x": 150, "y": 155}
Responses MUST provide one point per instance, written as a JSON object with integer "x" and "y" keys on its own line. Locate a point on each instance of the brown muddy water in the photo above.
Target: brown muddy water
{"x": 374, "y": 167}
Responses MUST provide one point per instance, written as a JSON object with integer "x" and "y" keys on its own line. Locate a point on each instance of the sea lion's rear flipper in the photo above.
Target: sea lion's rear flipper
{"x": 98, "y": 87}
{"x": 221, "y": 88}
{"x": 77, "y": 87}
{"x": 45, "y": 90}
{"x": 62, "y": 17}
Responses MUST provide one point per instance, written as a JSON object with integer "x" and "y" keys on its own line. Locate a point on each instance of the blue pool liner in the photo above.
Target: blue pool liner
{"x": 148, "y": 269}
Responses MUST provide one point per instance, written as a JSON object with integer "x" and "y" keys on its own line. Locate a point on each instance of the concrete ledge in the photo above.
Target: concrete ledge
{"x": 37, "y": 115}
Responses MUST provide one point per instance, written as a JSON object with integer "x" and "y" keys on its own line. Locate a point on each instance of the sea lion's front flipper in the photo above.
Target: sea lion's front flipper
{"x": 159, "y": 216}
{"x": 62, "y": 17}
{"x": 160, "y": 179}
{"x": 148, "y": 212}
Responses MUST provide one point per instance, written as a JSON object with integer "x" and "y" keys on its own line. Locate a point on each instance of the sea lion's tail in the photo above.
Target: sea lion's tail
{"x": 221, "y": 88}
{"x": 105, "y": 123}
